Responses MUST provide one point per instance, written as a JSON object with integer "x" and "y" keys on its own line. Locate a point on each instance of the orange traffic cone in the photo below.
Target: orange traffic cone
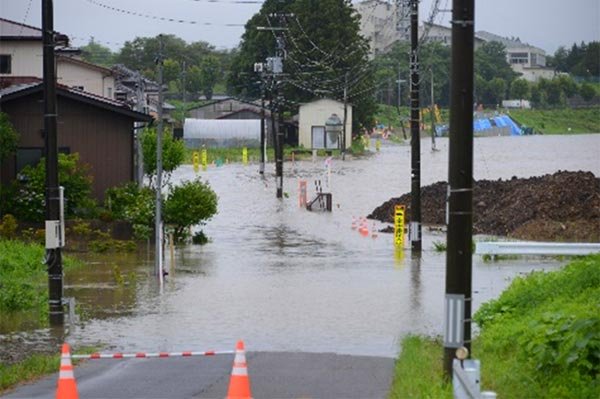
{"x": 67, "y": 388}
{"x": 239, "y": 385}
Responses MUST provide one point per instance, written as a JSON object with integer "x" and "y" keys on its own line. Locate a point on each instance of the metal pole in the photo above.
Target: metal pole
{"x": 460, "y": 211}
{"x": 415, "y": 205}
{"x": 53, "y": 255}
{"x": 432, "y": 114}
{"x": 345, "y": 117}
{"x": 262, "y": 133}
{"x": 158, "y": 266}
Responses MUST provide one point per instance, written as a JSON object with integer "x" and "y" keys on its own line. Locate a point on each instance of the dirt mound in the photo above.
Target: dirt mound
{"x": 564, "y": 206}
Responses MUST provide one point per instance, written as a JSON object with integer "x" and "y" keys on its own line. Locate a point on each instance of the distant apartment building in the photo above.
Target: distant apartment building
{"x": 528, "y": 60}
{"x": 383, "y": 23}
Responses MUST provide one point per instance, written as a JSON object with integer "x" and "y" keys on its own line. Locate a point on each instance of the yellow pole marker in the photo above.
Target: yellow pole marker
{"x": 378, "y": 145}
{"x": 204, "y": 159}
{"x": 245, "y": 156}
{"x": 196, "y": 161}
{"x": 399, "y": 211}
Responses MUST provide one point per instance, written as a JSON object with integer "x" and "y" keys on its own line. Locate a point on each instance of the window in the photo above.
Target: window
{"x": 28, "y": 156}
{"x": 321, "y": 140}
{"x": 31, "y": 156}
{"x": 109, "y": 92}
{"x": 5, "y": 63}
{"x": 318, "y": 137}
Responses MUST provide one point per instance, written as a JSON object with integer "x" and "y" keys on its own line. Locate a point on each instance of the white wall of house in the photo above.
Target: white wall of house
{"x": 312, "y": 116}
{"x": 89, "y": 79}
{"x": 26, "y": 57}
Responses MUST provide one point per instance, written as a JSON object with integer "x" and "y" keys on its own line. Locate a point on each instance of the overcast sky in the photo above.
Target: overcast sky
{"x": 547, "y": 24}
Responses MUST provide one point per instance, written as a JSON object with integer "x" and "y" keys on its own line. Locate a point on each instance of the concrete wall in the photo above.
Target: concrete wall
{"x": 315, "y": 114}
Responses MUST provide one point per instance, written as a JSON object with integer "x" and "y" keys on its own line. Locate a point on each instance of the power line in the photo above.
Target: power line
{"x": 158, "y": 18}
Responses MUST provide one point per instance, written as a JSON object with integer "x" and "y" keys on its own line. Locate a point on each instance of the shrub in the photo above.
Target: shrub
{"x": 173, "y": 154}
{"x": 189, "y": 204}
{"x": 133, "y": 204}
{"x": 8, "y": 227}
{"x": 26, "y": 199}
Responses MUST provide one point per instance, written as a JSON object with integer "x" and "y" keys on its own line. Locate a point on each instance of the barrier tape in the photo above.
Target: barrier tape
{"x": 119, "y": 355}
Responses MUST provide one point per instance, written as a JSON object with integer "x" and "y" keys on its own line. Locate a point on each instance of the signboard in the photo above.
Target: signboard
{"x": 399, "y": 211}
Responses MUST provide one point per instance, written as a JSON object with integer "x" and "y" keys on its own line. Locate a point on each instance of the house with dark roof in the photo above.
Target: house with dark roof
{"x": 101, "y": 130}
{"x": 21, "y": 54}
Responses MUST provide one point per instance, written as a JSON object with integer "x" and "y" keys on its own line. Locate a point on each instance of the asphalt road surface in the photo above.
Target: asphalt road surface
{"x": 272, "y": 375}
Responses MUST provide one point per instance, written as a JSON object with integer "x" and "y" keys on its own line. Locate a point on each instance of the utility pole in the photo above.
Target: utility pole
{"x": 140, "y": 106}
{"x": 400, "y": 81}
{"x": 432, "y": 114}
{"x": 262, "y": 131}
{"x": 415, "y": 139}
{"x": 158, "y": 261}
{"x": 345, "y": 117}
{"x": 53, "y": 252}
{"x": 457, "y": 328}
{"x": 183, "y": 78}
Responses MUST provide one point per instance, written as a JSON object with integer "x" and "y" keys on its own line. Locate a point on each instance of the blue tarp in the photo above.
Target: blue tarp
{"x": 480, "y": 125}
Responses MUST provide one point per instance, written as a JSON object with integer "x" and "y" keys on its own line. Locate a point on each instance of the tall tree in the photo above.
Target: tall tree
{"x": 209, "y": 75}
{"x": 97, "y": 54}
{"x": 325, "y": 54}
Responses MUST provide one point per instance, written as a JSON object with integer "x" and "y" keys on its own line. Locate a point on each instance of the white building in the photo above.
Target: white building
{"x": 311, "y": 124}
{"x": 528, "y": 60}
{"x": 382, "y": 23}
{"x": 21, "y": 60}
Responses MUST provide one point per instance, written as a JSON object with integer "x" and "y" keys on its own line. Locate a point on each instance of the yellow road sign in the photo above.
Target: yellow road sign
{"x": 399, "y": 211}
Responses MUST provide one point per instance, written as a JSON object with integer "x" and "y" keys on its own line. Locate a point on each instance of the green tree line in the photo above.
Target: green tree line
{"x": 494, "y": 78}
{"x": 196, "y": 67}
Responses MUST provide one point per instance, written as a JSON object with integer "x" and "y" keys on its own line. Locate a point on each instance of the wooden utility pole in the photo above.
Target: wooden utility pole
{"x": 415, "y": 137}
{"x": 457, "y": 329}
{"x": 53, "y": 252}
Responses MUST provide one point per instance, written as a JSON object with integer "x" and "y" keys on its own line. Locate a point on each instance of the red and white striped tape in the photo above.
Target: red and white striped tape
{"x": 143, "y": 355}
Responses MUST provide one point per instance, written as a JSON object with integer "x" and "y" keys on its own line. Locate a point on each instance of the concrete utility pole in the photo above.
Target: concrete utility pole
{"x": 158, "y": 261}
{"x": 140, "y": 106}
{"x": 53, "y": 252}
{"x": 345, "y": 117}
{"x": 432, "y": 114}
{"x": 261, "y": 169}
{"x": 400, "y": 81}
{"x": 415, "y": 138}
{"x": 457, "y": 326}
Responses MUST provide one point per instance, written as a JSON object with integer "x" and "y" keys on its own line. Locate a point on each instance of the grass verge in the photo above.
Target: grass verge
{"x": 539, "y": 339}
{"x": 418, "y": 372}
{"x": 27, "y": 370}
{"x": 33, "y": 368}
{"x": 23, "y": 277}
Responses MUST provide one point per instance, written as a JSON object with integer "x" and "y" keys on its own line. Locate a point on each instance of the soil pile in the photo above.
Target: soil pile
{"x": 564, "y": 206}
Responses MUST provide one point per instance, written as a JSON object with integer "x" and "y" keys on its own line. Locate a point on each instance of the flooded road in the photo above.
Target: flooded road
{"x": 285, "y": 279}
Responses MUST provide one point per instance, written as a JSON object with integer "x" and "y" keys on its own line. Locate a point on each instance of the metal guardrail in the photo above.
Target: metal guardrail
{"x": 535, "y": 248}
{"x": 466, "y": 380}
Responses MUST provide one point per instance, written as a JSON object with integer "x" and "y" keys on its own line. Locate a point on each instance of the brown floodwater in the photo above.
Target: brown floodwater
{"x": 285, "y": 279}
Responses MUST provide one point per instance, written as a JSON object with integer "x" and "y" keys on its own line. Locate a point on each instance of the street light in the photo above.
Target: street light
{"x": 333, "y": 128}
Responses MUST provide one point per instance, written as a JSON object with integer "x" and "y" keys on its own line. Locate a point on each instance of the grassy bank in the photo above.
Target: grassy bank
{"x": 540, "y": 339}
{"x": 23, "y": 277}
{"x": 550, "y": 121}
{"x": 558, "y": 121}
